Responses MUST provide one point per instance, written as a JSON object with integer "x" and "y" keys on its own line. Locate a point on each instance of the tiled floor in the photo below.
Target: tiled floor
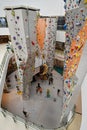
{"x": 42, "y": 110}
{"x": 76, "y": 123}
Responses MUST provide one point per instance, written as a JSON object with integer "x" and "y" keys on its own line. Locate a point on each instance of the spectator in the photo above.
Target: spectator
{"x": 58, "y": 92}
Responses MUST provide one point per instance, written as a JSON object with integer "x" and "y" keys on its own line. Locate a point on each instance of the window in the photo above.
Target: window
{"x": 3, "y": 22}
{"x": 60, "y": 46}
{"x": 60, "y": 23}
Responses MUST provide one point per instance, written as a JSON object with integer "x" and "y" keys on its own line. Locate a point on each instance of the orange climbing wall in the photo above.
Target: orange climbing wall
{"x": 76, "y": 52}
{"x": 41, "y": 29}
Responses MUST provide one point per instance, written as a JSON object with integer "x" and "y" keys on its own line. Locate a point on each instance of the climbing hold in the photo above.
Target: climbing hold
{"x": 13, "y": 12}
{"x": 77, "y": 1}
{"x": 65, "y": 26}
{"x": 78, "y": 24}
{"x": 20, "y": 47}
{"x": 14, "y": 38}
{"x": 16, "y": 43}
{"x": 33, "y": 43}
{"x": 17, "y": 17}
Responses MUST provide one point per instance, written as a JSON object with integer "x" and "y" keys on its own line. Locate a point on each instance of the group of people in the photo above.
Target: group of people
{"x": 39, "y": 90}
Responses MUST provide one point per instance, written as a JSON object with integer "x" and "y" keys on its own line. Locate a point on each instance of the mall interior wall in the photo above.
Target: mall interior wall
{"x": 47, "y": 8}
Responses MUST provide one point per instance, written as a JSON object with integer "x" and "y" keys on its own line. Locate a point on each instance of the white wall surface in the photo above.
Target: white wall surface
{"x": 60, "y": 36}
{"x": 84, "y": 104}
{"x": 4, "y": 31}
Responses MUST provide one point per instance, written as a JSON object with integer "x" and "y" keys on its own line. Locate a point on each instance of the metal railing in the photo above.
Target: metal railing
{"x": 2, "y": 65}
{"x": 6, "y": 57}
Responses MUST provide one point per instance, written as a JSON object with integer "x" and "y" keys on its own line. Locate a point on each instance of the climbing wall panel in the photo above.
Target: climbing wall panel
{"x": 46, "y": 34}
{"x": 76, "y": 36}
{"x": 50, "y": 41}
{"x": 22, "y": 26}
{"x": 71, "y": 4}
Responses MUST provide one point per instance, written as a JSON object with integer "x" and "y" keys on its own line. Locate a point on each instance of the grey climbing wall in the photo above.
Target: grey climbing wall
{"x": 75, "y": 48}
{"x": 22, "y": 26}
{"x": 50, "y": 41}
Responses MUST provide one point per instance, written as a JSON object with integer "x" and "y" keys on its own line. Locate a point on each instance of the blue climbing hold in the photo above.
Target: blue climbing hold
{"x": 65, "y": 26}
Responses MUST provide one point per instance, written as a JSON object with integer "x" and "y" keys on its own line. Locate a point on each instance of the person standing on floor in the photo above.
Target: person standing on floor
{"x": 38, "y": 89}
{"x": 58, "y": 92}
{"x": 25, "y": 113}
{"x": 50, "y": 78}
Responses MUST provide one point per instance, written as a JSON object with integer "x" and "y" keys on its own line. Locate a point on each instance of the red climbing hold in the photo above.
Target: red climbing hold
{"x": 33, "y": 43}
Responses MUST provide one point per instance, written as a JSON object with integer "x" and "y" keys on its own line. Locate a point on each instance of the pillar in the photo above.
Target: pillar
{"x": 22, "y": 26}
{"x": 46, "y": 34}
{"x": 75, "y": 52}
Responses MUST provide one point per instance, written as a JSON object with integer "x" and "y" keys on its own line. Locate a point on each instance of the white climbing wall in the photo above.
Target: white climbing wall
{"x": 22, "y": 27}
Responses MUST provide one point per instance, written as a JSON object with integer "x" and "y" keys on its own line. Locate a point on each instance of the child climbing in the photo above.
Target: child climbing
{"x": 44, "y": 70}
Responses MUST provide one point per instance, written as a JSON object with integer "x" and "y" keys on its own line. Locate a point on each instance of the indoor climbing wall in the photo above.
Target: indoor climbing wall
{"x": 41, "y": 32}
{"x": 71, "y": 4}
{"x": 46, "y": 35}
{"x": 50, "y": 41}
{"x": 22, "y": 27}
{"x": 76, "y": 36}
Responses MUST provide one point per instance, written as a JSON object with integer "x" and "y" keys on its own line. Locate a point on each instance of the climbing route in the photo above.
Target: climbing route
{"x": 76, "y": 26}
{"x": 46, "y": 35}
{"x": 22, "y": 26}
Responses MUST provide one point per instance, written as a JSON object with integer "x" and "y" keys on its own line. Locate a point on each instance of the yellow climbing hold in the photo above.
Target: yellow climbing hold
{"x": 19, "y": 92}
{"x": 13, "y": 12}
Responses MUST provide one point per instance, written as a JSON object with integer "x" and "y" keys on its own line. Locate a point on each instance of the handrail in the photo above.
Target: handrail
{"x": 2, "y": 65}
